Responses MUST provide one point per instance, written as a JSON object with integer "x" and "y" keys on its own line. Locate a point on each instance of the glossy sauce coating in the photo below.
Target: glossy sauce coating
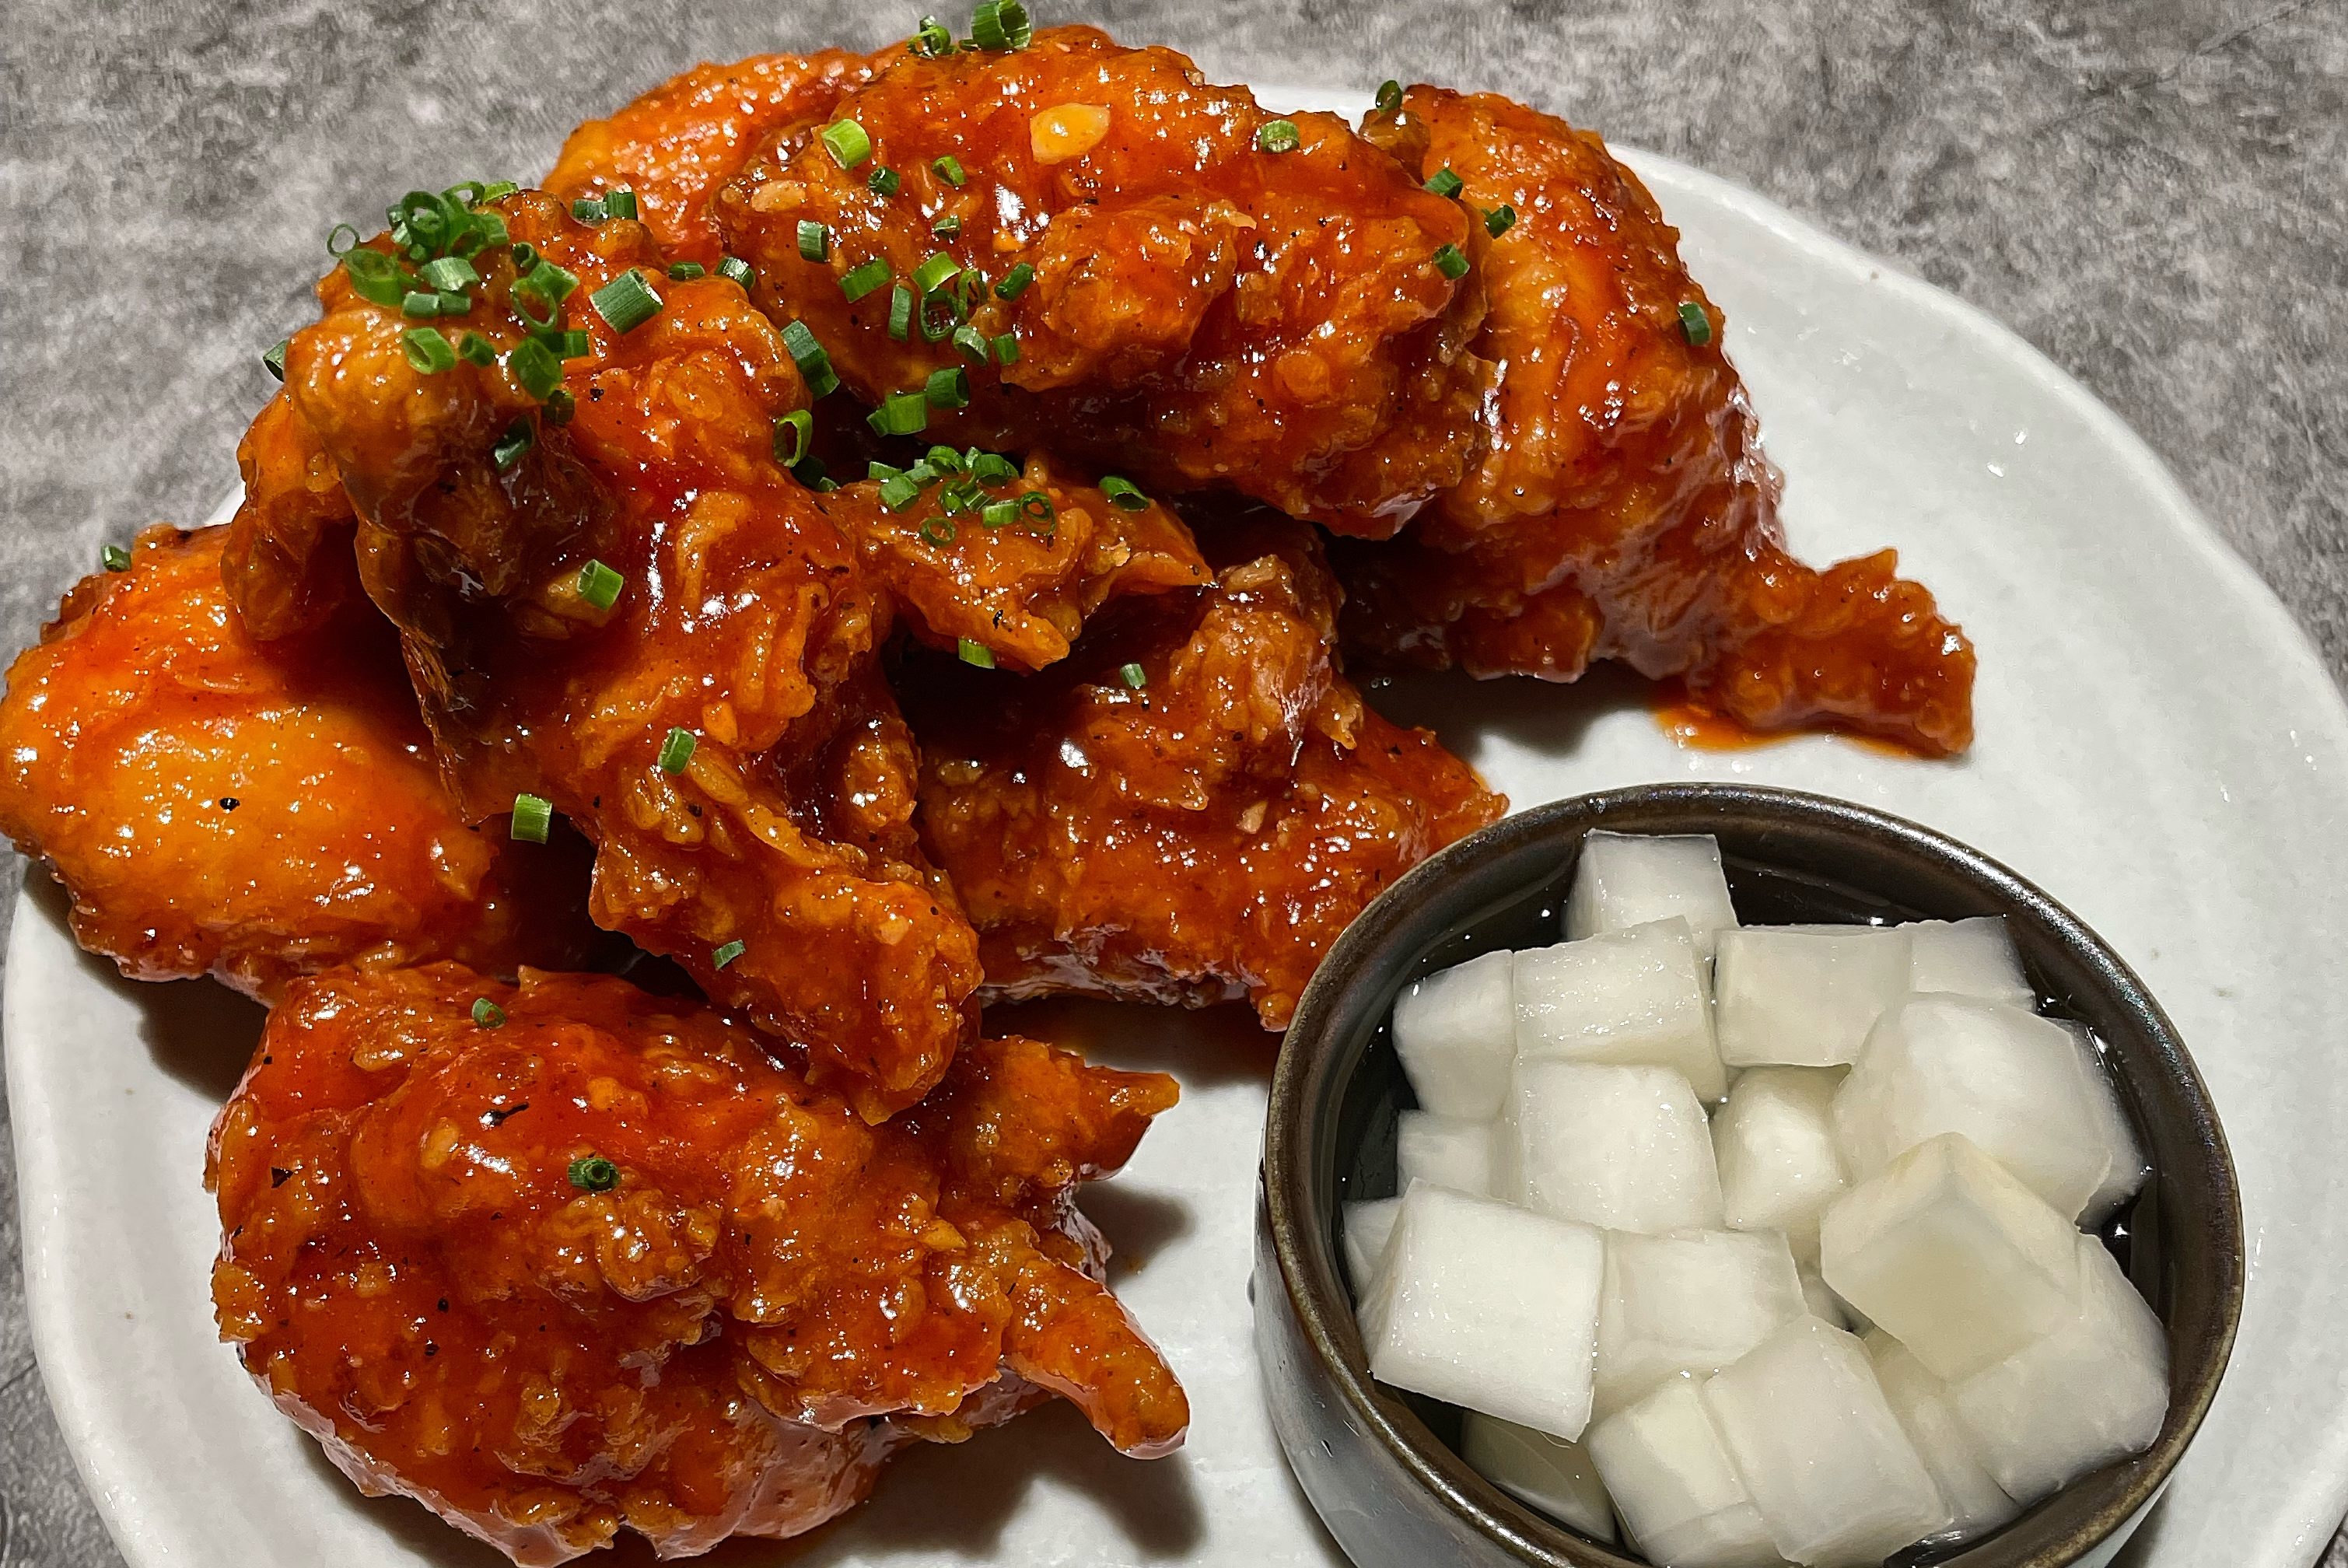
{"x": 1202, "y": 312}
{"x": 704, "y": 1336}
{"x": 1621, "y": 507}
{"x": 1202, "y": 836}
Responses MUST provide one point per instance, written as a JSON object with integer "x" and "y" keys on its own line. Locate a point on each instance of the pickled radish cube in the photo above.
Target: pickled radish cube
{"x": 1635, "y": 996}
{"x": 1365, "y": 1227}
{"x": 1972, "y": 957}
{"x": 1824, "y": 1304}
{"x": 2129, "y": 1166}
{"x": 1977, "y": 1504}
{"x": 1624, "y": 879}
{"x": 1774, "y": 1143}
{"x": 1671, "y": 1479}
{"x": 1447, "y": 1151}
{"x": 1836, "y": 1479}
{"x": 1489, "y": 1306}
{"x": 1692, "y": 1301}
{"x": 1624, "y": 1148}
{"x": 2008, "y": 1079}
{"x": 2093, "y": 1390}
{"x": 1540, "y": 1472}
{"x": 1805, "y": 998}
{"x": 1456, "y": 1032}
{"x": 1951, "y": 1256}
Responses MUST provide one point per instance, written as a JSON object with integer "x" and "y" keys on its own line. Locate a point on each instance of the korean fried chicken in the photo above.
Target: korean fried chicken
{"x": 565, "y": 1257}
{"x": 1133, "y": 268}
{"x": 255, "y": 812}
{"x": 1619, "y": 506}
{"x": 1193, "y": 805}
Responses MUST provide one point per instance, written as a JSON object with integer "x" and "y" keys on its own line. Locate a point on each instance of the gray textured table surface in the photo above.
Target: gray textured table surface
{"x": 2150, "y": 190}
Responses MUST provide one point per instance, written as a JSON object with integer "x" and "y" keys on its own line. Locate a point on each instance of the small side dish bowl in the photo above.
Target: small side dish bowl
{"x": 1379, "y": 1465}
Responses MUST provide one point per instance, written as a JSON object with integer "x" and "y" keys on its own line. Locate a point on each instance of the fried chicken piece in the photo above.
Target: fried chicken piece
{"x": 287, "y": 559}
{"x": 256, "y": 812}
{"x": 595, "y": 1260}
{"x": 1197, "y": 310}
{"x": 1620, "y": 507}
{"x": 1193, "y": 805}
{"x": 677, "y": 143}
{"x": 742, "y": 618}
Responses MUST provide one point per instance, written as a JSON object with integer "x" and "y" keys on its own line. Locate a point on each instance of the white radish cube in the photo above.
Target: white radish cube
{"x": 1692, "y": 1301}
{"x": 1775, "y": 1144}
{"x": 1806, "y": 998}
{"x": 2093, "y": 1390}
{"x": 1624, "y": 1148}
{"x": 1671, "y": 1479}
{"x": 1824, "y": 1304}
{"x": 1540, "y": 1472}
{"x": 1972, "y": 957}
{"x": 1977, "y": 1504}
{"x": 1624, "y": 879}
{"x": 1952, "y": 1257}
{"x": 1447, "y": 1151}
{"x": 1635, "y": 996}
{"x": 2010, "y": 1081}
{"x": 1835, "y": 1478}
{"x": 1490, "y": 1307}
{"x": 1456, "y": 1032}
{"x": 2129, "y": 1166}
{"x": 1365, "y": 1226}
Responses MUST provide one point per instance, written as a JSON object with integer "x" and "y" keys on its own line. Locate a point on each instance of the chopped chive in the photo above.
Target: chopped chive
{"x": 627, "y": 302}
{"x": 342, "y": 240}
{"x": 274, "y": 360}
{"x": 533, "y": 815}
{"x": 599, "y": 585}
{"x": 972, "y": 343}
{"x": 513, "y": 445}
{"x": 452, "y": 274}
{"x": 454, "y": 303}
{"x": 1389, "y": 95}
{"x": 977, "y": 654}
{"x": 420, "y": 301}
{"x": 496, "y": 191}
{"x": 862, "y": 280}
{"x": 741, "y": 271}
{"x": 1123, "y": 494}
{"x": 487, "y": 1014}
{"x": 588, "y": 210}
{"x": 525, "y": 255}
{"x": 993, "y": 469}
{"x": 1499, "y": 220}
{"x": 948, "y": 388}
{"x": 534, "y": 367}
{"x": 1036, "y": 507}
{"x": 948, "y": 167}
{"x": 475, "y": 349}
{"x": 901, "y": 313}
{"x": 1443, "y": 183}
{"x": 620, "y": 203}
{"x": 593, "y": 1173}
{"x": 1006, "y": 348}
{"x": 1694, "y": 324}
{"x": 114, "y": 558}
{"x": 1001, "y": 25}
{"x": 550, "y": 283}
{"x": 375, "y": 277}
{"x": 1015, "y": 282}
{"x": 427, "y": 350}
{"x": 1133, "y": 675}
{"x": 845, "y": 141}
{"x": 559, "y": 406}
{"x": 801, "y": 425}
{"x": 900, "y": 491}
{"x": 1450, "y": 262}
{"x": 685, "y": 272}
{"x": 933, "y": 39}
{"x": 573, "y": 345}
{"x": 937, "y": 315}
{"x": 815, "y": 240}
{"x": 727, "y": 954}
{"x": 1277, "y": 136}
{"x": 900, "y": 413}
{"x": 946, "y": 227}
{"x": 815, "y": 364}
{"x": 998, "y": 515}
{"x": 935, "y": 272}
{"x": 937, "y": 530}
{"x": 676, "y": 750}
{"x": 884, "y": 182}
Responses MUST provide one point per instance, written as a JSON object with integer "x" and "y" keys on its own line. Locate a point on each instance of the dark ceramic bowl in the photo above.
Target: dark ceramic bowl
{"x": 1378, "y": 1463}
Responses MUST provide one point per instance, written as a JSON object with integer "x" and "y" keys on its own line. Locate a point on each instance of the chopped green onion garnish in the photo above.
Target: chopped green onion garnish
{"x": 487, "y": 1014}
{"x": 475, "y": 349}
{"x": 588, "y": 210}
{"x": 1133, "y": 675}
{"x": 1036, "y": 507}
{"x": 935, "y": 272}
{"x": 932, "y": 40}
{"x": 937, "y": 530}
{"x": 998, "y": 513}
{"x": 533, "y": 815}
{"x": 900, "y": 413}
{"x": 977, "y": 654}
{"x": 676, "y": 751}
{"x": 599, "y": 585}
{"x": 938, "y": 315}
{"x": 420, "y": 301}
{"x": 375, "y": 277}
{"x": 620, "y": 203}
{"x": 948, "y": 388}
{"x": 1499, "y": 220}
{"x": 948, "y": 167}
{"x": 901, "y": 313}
{"x": 593, "y": 1173}
{"x": 573, "y": 345}
{"x": 815, "y": 240}
{"x": 1443, "y": 183}
{"x": 1006, "y": 349}
{"x": 801, "y": 424}
{"x": 946, "y": 227}
{"x": 496, "y": 191}
{"x": 1001, "y": 25}
{"x": 993, "y": 469}
{"x": 1450, "y": 263}
{"x": 513, "y": 445}
{"x": 684, "y": 272}
{"x": 114, "y": 558}
{"x": 884, "y": 182}
{"x": 342, "y": 240}
{"x": 972, "y": 343}
{"x": 1015, "y": 282}
{"x": 1277, "y": 136}
{"x": 1123, "y": 494}
{"x": 727, "y": 954}
{"x": 737, "y": 269}
{"x": 1695, "y": 322}
{"x": 274, "y": 360}
{"x": 454, "y": 303}
{"x": 1389, "y": 95}
{"x": 427, "y": 350}
{"x": 534, "y": 367}
{"x": 627, "y": 302}
{"x": 862, "y": 280}
{"x": 815, "y": 364}
{"x": 847, "y": 143}
{"x": 449, "y": 274}
{"x": 900, "y": 491}
{"x": 559, "y": 406}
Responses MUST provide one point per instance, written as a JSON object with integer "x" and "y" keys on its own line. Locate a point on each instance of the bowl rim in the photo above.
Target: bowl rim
{"x": 1308, "y": 1270}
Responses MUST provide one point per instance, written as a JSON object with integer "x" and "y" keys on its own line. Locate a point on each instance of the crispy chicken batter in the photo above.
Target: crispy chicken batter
{"x": 256, "y": 812}
{"x": 601, "y": 1262}
{"x": 1203, "y": 834}
{"x": 1199, "y": 311}
{"x": 1620, "y": 507}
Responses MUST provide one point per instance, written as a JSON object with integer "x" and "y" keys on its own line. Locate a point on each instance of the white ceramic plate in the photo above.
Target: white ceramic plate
{"x": 2158, "y": 747}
